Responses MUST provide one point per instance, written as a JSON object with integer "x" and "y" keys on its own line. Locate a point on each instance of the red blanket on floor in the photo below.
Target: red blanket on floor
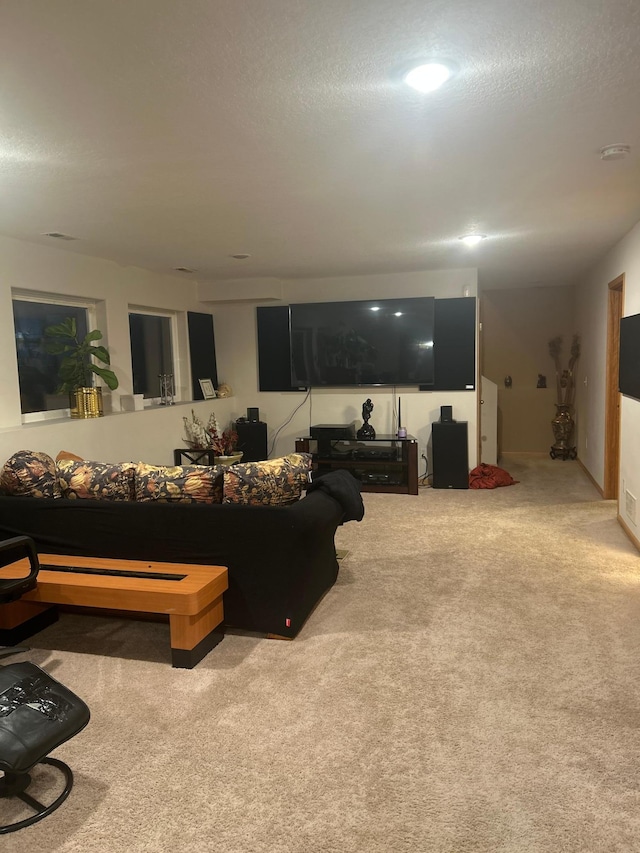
{"x": 490, "y": 477}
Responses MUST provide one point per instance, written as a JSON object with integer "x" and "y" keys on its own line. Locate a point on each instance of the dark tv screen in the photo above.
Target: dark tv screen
{"x": 372, "y": 342}
{"x": 629, "y": 375}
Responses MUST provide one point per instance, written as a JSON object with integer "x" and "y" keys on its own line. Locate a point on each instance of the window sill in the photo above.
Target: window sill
{"x": 62, "y": 416}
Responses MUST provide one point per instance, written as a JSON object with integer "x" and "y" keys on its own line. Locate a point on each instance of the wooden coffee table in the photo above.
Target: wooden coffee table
{"x": 191, "y": 595}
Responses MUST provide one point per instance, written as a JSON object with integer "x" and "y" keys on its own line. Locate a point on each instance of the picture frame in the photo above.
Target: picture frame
{"x": 207, "y": 388}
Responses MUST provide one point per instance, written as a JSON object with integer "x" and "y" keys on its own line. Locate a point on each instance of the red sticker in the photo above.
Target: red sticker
{"x": 287, "y": 622}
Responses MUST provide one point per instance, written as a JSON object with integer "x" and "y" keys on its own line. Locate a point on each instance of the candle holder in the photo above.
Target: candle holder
{"x": 167, "y": 391}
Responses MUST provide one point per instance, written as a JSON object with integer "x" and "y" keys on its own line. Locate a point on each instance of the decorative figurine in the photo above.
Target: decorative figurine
{"x": 366, "y": 431}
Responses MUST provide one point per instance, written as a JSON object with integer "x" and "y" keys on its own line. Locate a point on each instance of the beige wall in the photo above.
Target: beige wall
{"x": 151, "y": 435}
{"x": 592, "y": 306}
{"x": 516, "y": 328}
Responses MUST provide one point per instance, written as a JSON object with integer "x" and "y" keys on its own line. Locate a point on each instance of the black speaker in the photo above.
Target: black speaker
{"x": 450, "y": 455}
{"x": 202, "y": 351}
{"x": 446, "y": 414}
{"x": 253, "y": 415}
{"x": 252, "y": 440}
{"x": 454, "y": 345}
{"x": 274, "y": 349}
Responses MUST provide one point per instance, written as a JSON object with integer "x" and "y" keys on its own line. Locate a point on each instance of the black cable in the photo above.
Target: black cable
{"x": 288, "y": 421}
{"x": 423, "y": 480}
{"x": 394, "y": 413}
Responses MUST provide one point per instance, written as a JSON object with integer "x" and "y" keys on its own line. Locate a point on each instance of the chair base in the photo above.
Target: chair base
{"x": 16, "y": 785}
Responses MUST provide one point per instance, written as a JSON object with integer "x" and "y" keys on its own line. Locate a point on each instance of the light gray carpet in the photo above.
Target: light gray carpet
{"x": 470, "y": 684}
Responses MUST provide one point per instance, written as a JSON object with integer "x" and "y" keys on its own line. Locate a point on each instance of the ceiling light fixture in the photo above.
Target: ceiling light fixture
{"x": 429, "y": 76}
{"x": 375, "y": 307}
{"x": 616, "y": 151}
{"x": 472, "y": 239}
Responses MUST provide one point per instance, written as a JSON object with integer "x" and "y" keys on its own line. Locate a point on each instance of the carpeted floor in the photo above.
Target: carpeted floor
{"x": 471, "y": 683}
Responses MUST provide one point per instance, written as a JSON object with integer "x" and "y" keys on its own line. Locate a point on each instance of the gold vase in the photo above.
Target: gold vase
{"x": 563, "y": 426}
{"x": 86, "y": 403}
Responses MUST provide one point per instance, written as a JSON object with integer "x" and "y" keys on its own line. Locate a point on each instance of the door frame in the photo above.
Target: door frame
{"x": 615, "y": 312}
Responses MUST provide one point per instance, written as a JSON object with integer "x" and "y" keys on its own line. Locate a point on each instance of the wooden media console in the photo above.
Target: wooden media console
{"x": 191, "y": 596}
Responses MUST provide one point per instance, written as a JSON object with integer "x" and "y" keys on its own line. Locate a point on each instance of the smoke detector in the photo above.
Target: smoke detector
{"x": 241, "y": 256}
{"x": 184, "y": 269}
{"x": 58, "y": 236}
{"x": 616, "y": 151}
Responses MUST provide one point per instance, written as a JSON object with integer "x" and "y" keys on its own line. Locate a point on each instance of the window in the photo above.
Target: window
{"x": 151, "y": 351}
{"x": 37, "y": 369}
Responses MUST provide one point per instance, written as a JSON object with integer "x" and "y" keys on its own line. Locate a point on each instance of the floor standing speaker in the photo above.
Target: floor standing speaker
{"x": 450, "y": 455}
{"x": 274, "y": 350}
{"x": 454, "y": 345}
{"x": 252, "y": 440}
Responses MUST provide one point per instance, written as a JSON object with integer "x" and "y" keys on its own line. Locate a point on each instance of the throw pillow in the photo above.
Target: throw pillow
{"x": 67, "y": 454}
{"x": 29, "y": 473}
{"x": 98, "y": 480}
{"x": 179, "y": 483}
{"x": 276, "y": 482}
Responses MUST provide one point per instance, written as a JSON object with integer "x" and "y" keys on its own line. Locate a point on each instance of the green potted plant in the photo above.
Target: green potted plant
{"x": 77, "y": 368}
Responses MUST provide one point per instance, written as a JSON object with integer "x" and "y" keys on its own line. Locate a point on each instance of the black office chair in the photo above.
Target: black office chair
{"x": 11, "y": 589}
{"x": 37, "y": 713}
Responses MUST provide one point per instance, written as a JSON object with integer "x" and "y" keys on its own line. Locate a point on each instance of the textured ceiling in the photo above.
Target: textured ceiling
{"x": 166, "y": 134}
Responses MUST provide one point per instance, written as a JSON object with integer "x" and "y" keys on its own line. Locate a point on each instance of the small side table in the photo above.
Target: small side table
{"x": 194, "y": 457}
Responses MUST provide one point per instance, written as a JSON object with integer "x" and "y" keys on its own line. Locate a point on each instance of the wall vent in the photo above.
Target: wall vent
{"x": 630, "y": 506}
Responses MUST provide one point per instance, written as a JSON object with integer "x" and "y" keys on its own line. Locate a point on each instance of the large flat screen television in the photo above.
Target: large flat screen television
{"x": 371, "y": 342}
{"x": 629, "y": 375}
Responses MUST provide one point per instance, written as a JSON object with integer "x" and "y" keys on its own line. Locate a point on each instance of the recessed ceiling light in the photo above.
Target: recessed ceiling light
{"x": 472, "y": 239}
{"x": 398, "y": 314}
{"x": 241, "y": 257}
{"x": 429, "y": 76}
{"x": 375, "y": 307}
{"x": 614, "y": 152}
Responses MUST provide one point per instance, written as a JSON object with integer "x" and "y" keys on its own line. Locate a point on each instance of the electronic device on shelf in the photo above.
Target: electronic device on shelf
{"x": 333, "y": 432}
{"x": 380, "y": 479}
{"x": 374, "y": 453}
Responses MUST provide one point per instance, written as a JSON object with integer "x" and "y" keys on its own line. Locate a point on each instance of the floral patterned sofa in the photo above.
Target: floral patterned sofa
{"x": 255, "y": 518}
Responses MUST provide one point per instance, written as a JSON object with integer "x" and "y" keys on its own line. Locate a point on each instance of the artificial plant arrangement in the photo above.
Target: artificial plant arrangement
{"x": 210, "y": 437}
{"x": 565, "y": 381}
{"x": 76, "y": 367}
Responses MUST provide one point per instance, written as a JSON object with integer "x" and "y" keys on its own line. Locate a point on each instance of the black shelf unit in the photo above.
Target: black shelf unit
{"x": 385, "y": 463}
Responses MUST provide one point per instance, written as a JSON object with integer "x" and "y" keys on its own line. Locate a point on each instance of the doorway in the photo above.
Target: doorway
{"x": 612, "y": 401}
